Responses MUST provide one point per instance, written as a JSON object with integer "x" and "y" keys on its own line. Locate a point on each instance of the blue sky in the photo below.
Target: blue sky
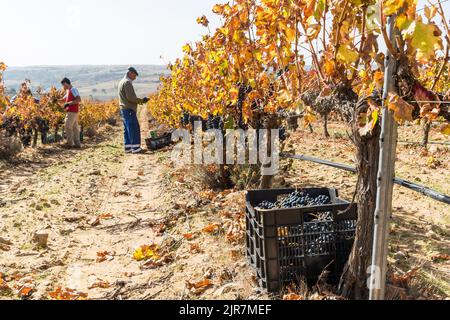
{"x": 51, "y": 32}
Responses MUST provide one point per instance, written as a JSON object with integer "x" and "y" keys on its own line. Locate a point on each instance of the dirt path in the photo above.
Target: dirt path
{"x": 98, "y": 206}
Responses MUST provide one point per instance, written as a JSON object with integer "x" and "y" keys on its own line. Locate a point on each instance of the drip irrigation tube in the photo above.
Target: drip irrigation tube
{"x": 401, "y": 182}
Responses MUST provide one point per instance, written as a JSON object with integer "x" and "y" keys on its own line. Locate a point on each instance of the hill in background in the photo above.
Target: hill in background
{"x": 96, "y": 82}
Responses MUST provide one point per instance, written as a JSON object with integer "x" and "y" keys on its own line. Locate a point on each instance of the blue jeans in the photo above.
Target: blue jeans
{"x": 132, "y": 130}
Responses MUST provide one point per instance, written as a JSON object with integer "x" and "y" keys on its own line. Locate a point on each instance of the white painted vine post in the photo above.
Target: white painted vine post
{"x": 386, "y": 176}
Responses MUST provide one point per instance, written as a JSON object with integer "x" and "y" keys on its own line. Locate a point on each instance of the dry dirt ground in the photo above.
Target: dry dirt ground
{"x": 420, "y": 232}
{"x": 99, "y": 206}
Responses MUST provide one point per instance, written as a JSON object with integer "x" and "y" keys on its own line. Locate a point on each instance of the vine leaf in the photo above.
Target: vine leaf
{"x": 369, "y": 120}
{"x": 424, "y": 38}
{"x": 445, "y": 129}
{"x": 146, "y": 252}
{"x": 402, "y": 110}
{"x": 391, "y": 7}
{"x": 347, "y": 55}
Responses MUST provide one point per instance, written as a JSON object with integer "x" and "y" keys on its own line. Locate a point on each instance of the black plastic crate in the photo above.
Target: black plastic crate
{"x": 158, "y": 143}
{"x": 290, "y": 245}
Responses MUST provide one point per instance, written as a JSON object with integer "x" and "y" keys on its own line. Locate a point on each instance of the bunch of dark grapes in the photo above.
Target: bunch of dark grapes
{"x": 283, "y": 135}
{"x": 296, "y": 199}
{"x": 266, "y": 205}
{"x": 242, "y": 125}
{"x": 321, "y": 237}
{"x": 218, "y": 123}
{"x": 186, "y": 119}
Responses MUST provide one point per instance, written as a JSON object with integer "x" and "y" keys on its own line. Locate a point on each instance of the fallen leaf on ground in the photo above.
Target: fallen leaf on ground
{"x": 208, "y": 195}
{"x": 212, "y": 228}
{"x": 199, "y": 287}
{"x": 106, "y": 216}
{"x": 100, "y": 284}
{"x": 441, "y": 258}
{"x": 122, "y": 193}
{"x": 235, "y": 253}
{"x": 293, "y": 297}
{"x": 4, "y": 247}
{"x": 404, "y": 280}
{"x": 155, "y": 262}
{"x": 146, "y": 252}
{"x": 103, "y": 256}
{"x": 160, "y": 229}
{"x": 67, "y": 295}
{"x": 25, "y": 292}
{"x": 3, "y": 284}
{"x": 195, "y": 248}
{"x": 189, "y": 236}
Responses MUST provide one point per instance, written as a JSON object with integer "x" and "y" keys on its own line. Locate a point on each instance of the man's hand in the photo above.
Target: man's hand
{"x": 66, "y": 105}
{"x": 145, "y": 100}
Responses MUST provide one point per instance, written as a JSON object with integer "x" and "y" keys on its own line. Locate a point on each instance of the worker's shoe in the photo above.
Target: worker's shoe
{"x": 138, "y": 151}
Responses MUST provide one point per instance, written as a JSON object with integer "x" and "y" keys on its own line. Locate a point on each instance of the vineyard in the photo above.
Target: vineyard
{"x": 273, "y": 60}
{"x": 359, "y": 85}
{"x": 27, "y": 117}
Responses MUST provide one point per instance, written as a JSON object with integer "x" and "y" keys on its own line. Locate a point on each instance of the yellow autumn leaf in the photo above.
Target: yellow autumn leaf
{"x": 291, "y": 34}
{"x": 391, "y": 7}
{"x": 203, "y": 21}
{"x": 146, "y": 252}
{"x": 309, "y": 117}
{"x": 430, "y": 12}
{"x": 234, "y": 95}
{"x": 403, "y": 22}
{"x": 187, "y": 49}
{"x": 424, "y": 39}
{"x": 347, "y": 55}
{"x": 329, "y": 67}
{"x": 445, "y": 129}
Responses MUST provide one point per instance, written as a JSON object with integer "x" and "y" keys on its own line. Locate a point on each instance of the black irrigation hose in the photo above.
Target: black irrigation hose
{"x": 432, "y": 142}
{"x": 403, "y": 183}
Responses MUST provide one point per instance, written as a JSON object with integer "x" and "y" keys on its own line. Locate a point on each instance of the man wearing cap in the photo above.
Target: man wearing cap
{"x": 128, "y": 109}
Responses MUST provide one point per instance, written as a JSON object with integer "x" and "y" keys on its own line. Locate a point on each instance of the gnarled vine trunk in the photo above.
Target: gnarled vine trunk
{"x": 354, "y": 279}
{"x": 325, "y": 126}
{"x": 426, "y": 134}
{"x": 271, "y": 122}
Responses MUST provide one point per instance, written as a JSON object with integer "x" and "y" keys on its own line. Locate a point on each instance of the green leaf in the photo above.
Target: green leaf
{"x": 229, "y": 123}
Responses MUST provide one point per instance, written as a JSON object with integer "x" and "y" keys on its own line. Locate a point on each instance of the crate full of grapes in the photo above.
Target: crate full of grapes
{"x": 298, "y": 235}
{"x": 158, "y": 142}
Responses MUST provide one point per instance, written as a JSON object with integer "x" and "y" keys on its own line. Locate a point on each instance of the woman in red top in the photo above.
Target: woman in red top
{"x": 72, "y": 106}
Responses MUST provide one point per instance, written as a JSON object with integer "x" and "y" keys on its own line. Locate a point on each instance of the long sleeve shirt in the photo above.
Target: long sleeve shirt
{"x": 127, "y": 96}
